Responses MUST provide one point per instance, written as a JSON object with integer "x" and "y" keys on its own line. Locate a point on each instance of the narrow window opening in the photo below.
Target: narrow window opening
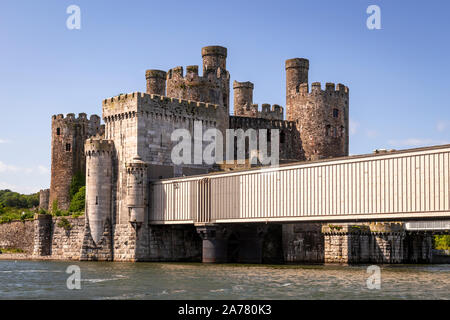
{"x": 68, "y": 146}
{"x": 335, "y": 113}
{"x": 282, "y": 137}
{"x": 58, "y": 131}
{"x": 96, "y": 200}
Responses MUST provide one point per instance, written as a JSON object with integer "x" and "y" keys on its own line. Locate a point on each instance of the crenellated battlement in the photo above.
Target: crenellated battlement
{"x": 97, "y": 146}
{"x": 267, "y": 111}
{"x": 274, "y": 112}
{"x": 260, "y": 123}
{"x": 136, "y": 164}
{"x": 192, "y": 74}
{"x": 154, "y": 98}
{"x": 129, "y": 105}
{"x": 82, "y": 117}
{"x": 316, "y": 89}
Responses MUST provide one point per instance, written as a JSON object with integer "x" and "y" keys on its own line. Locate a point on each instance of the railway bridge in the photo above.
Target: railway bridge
{"x": 381, "y": 207}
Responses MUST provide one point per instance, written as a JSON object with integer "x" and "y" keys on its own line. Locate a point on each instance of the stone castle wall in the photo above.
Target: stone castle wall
{"x": 66, "y": 243}
{"x": 17, "y": 235}
{"x": 46, "y": 238}
{"x": 290, "y": 144}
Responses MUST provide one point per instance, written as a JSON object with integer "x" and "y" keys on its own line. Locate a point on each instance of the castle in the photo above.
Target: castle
{"x": 133, "y": 147}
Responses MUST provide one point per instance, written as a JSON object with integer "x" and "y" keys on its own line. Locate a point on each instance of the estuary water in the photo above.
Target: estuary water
{"x": 169, "y": 281}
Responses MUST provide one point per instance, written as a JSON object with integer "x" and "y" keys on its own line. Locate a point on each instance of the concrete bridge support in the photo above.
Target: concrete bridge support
{"x": 214, "y": 243}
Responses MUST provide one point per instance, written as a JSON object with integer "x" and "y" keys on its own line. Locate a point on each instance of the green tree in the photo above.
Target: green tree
{"x": 442, "y": 242}
{"x": 78, "y": 201}
{"x": 17, "y": 200}
{"x": 78, "y": 181}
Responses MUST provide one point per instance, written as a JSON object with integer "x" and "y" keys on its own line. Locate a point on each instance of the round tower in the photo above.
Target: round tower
{"x": 156, "y": 82}
{"x": 99, "y": 171}
{"x": 136, "y": 190}
{"x": 214, "y": 57}
{"x": 322, "y": 119}
{"x": 243, "y": 97}
{"x": 43, "y": 198}
{"x": 296, "y": 73}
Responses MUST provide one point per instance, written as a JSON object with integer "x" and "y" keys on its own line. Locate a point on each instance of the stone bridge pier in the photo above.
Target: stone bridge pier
{"x": 241, "y": 243}
{"x": 382, "y": 242}
{"x": 310, "y": 243}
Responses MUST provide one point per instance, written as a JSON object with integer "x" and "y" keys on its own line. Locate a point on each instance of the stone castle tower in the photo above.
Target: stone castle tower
{"x": 68, "y": 136}
{"x": 213, "y": 86}
{"x": 321, "y": 116}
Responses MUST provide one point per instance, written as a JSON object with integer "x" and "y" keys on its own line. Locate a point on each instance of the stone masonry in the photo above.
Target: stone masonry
{"x": 68, "y": 136}
{"x": 375, "y": 243}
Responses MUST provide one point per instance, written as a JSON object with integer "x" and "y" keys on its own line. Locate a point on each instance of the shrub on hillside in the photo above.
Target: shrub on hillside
{"x": 78, "y": 201}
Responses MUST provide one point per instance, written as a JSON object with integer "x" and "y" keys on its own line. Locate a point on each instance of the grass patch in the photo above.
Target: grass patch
{"x": 12, "y": 250}
{"x": 65, "y": 224}
{"x": 14, "y": 214}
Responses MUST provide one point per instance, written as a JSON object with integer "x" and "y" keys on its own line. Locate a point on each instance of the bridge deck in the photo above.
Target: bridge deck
{"x": 409, "y": 184}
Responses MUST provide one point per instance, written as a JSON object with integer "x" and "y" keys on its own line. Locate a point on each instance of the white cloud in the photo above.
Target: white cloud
{"x": 20, "y": 189}
{"x": 23, "y": 179}
{"x": 415, "y": 142}
{"x": 6, "y": 168}
{"x": 3, "y": 141}
{"x": 354, "y": 125}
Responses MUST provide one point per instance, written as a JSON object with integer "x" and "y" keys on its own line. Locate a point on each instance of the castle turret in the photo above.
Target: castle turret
{"x": 243, "y": 98}
{"x": 137, "y": 190}
{"x": 296, "y": 73}
{"x": 68, "y": 136}
{"x": 214, "y": 57}
{"x": 321, "y": 116}
{"x": 99, "y": 179}
{"x": 156, "y": 82}
{"x": 212, "y": 87}
{"x": 43, "y": 198}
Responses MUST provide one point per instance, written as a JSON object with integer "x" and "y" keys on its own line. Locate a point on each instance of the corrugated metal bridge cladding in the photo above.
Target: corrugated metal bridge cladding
{"x": 404, "y": 184}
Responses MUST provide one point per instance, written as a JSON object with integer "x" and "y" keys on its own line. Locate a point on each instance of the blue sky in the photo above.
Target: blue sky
{"x": 398, "y": 76}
